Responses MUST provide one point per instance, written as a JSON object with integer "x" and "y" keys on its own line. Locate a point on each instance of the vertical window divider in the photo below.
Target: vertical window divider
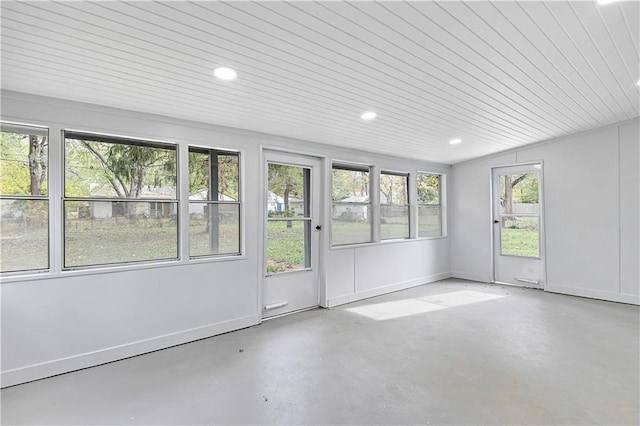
{"x": 56, "y": 194}
{"x": 374, "y": 181}
{"x": 183, "y": 201}
{"x": 413, "y": 205}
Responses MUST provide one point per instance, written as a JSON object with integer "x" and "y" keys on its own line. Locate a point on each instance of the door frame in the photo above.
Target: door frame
{"x": 265, "y": 152}
{"x": 542, "y": 230}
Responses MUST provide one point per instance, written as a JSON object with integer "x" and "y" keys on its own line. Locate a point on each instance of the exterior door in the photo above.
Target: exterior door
{"x": 518, "y": 225}
{"x": 292, "y": 234}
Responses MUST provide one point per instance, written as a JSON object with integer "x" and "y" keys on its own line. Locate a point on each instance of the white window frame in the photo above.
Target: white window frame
{"x": 210, "y": 150}
{"x": 406, "y": 176}
{"x": 98, "y": 137}
{"x": 441, "y": 199}
{"x": 336, "y": 165}
{"x": 12, "y": 127}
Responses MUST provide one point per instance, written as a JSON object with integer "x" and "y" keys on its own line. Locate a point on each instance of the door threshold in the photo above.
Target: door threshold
{"x": 539, "y": 287}
{"x": 290, "y": 313}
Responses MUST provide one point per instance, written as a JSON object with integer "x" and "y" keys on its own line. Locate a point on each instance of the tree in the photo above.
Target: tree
{"x": 286, "y": 181}
{"x": 24, "y": 164}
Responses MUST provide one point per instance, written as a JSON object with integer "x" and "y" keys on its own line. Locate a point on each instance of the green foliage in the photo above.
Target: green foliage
{"x": 349, "y": 183}
{"x": 393, "y": 189}
{"x": 23, "y": 164}
{"x": 286, "y": 181}
{"x": 116, "y": 170}
{"x": 200, "y": 170}
{"x": 428, "y": 188}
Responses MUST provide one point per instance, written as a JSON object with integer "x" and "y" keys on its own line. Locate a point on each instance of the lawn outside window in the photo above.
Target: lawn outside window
{"x": 120, "y": 201}
{"x": 350, "y": 205}
{"x": 24, "y": 198}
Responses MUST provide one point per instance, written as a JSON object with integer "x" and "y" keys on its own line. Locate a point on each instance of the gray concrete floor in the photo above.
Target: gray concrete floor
{"x": 527, "y": 358}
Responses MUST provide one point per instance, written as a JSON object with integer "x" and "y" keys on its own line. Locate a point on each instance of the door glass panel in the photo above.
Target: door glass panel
{"x": 520, "y": 235}
{"x": 288, "y": 187}
{"x": 287, "y": 244}
{"x": 519, "y": 194}
{"x": 288, "y": 219}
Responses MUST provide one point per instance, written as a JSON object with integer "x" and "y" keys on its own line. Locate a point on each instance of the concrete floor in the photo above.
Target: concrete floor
{"x": 527, "y": 358}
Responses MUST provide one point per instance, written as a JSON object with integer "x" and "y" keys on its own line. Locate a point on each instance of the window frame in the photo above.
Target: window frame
{"x": 209, "y": 150}
{"x": 29, "y": 129}
{"x": 441, "y": 204}
{"x": 122, "y": 140}
{"x": 352, "y": 167}
{"x": 407, "y": 177}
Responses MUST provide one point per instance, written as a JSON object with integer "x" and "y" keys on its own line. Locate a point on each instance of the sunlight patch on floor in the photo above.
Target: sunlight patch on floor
{"x": 396, "y": 309}
{"x": 421, "y": 305}
{"x": 459, "y": 298}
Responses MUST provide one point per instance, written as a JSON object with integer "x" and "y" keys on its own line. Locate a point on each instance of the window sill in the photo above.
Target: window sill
{"x": 49, "y": 275}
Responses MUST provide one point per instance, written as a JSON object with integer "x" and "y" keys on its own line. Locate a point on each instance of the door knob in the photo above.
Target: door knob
{"x": 318, "y": 227}
{"x": 496, "y": 221}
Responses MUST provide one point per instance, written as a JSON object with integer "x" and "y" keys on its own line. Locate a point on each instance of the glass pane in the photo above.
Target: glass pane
{"x": 393, "y": 189}
{"x": 394, "y": 222}
{"x": 104, "y": 232}
{"x": 286, "y": 248}
{"x": 428, "y": 188}
{"x": 350, "y": 224}
{"x": 214, "y": 229}
{"x": 520, "y": 236}
{"x": 203, "y": 165}
{"x": 23, "y": 163}
{"x": 351, "y": 186}
{"x": 288, "y": 189}
{"x": 115, "y": 170}
{"x": 429, "y": 221}
{"x": 519, "y": 194}
{"x": 24, "y": 230}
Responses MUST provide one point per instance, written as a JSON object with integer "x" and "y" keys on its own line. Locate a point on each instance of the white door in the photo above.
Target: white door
{"x": 292, "y": 233}
{"x": 518, "y": 225}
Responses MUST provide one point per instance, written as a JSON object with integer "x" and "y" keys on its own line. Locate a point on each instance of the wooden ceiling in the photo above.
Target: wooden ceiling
{"x": 496, "y": 74}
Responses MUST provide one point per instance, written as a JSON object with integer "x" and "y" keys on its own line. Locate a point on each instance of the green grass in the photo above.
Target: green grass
{"x": 285, "y": 246}
{"x": 23, "y": 246}
{"x": 520, "y": 242}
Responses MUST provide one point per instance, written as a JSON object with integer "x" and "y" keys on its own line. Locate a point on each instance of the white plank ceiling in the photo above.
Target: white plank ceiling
{"x": 496, "y": 74}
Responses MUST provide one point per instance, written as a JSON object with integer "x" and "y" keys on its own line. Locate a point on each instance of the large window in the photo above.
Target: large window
{"x": 429, "y": 205}
{"x": 120, "y": 201}
{"x": 394, "y": 206}
{"x": 351, "y": 205}
{"x": 214, "y": 203}
{"x": 24, "y": 203}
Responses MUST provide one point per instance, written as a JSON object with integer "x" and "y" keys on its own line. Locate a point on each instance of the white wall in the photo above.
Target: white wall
{"x": 591, "y": 207}
{"x": 65, "y": 320}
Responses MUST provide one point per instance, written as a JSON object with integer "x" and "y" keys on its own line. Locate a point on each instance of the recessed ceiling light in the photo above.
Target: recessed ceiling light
{"x": 455, "y": 141}
{"x": 368, "y": 116}
{"x": 225, "y": 73}
{"x": 638, "y": 83}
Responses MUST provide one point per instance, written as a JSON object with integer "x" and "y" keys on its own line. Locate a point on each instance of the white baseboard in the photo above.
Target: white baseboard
{"x": 593, "y": 294}
{"x": 470, "y": 276}
{"x": 378, "y": 291}
{"x": 102, "y": 356}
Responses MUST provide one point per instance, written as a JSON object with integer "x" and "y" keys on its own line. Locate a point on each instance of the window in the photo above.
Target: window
{"x": 214, "y": 203}
{"x": 24, "y": 198}
{"x": 394, "y": 206}
{"x": 120, "y": 201}
{"x": 351, "y": 205}
{"x": 429, "y": 205}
